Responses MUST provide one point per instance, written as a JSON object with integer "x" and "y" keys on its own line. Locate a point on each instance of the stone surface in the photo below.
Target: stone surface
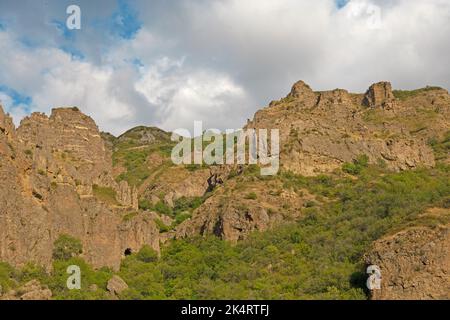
{"x": 51, "y": 165}
{"x": 32, "y": 290}
{"x": 320, "y": 131}
{"x": 116, "y": 285}
{"x": 238, "y": 208}
{"x": 379, "y": 95}
{"x": 414, "y": 263}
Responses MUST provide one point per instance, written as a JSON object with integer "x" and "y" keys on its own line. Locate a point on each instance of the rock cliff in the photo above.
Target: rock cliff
{"x": 59, "y": 181}
{"x": 322, "y": 130}
{"x": 414, "y": 263}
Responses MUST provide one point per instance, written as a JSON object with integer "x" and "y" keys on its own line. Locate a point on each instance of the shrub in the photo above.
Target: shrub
{"x": 66, "y": 247}
{"x": 163, "y": 208}
{"x": 7, "y": 275}
{"x": 144, "y": 204}
{"x": 161, "y": 226}
{"x": 357, "y": 166}
{"x": 251, "y": 196}
{"x": 147, "y": 255}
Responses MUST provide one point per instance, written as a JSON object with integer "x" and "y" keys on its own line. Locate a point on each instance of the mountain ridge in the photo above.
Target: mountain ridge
{"x": 120, "y": 194}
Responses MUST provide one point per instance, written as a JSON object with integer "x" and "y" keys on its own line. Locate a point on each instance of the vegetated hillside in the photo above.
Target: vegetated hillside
{"x": 364, "y": 179}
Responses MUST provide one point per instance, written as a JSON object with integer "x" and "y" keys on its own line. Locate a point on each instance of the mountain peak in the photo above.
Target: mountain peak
{"x": 379, "y": 94}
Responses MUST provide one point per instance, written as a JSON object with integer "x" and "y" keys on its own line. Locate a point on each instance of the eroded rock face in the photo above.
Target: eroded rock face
{"x": 234, "y": 215}
{"x": 116, "y": 285}
{"x": 379, "y": 95}
{"x": 414, "y": 263}
{"x": 303, "y": 93}
{"x": 320, "y": 131}
{"x": 51, "y": 165}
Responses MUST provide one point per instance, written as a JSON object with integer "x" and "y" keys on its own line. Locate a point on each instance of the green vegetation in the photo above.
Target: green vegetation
{"x": 162, "y": 208}
{"x": 317, "y": 257}
{"x": 357, "y": 166}
{"x": 133, "y": 154}
{"x": 251, "y": 196}
{"x": 441, "y": 147}
{"x": 406, "y": 94}
{"x": 144, "y": 204}
{"x": 182, "y": 210}
{"x": 66, "y": 247}
{"x": 129, "y": 216}
{"x": 162, "y": 226}
{"x": 105, "y": 194}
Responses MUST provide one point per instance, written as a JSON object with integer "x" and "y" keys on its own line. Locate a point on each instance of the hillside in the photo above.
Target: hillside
{"x": 364, "y": 179}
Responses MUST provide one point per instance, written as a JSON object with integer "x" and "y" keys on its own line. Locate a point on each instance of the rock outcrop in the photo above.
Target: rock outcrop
{"x": 239, "y": 208}
{"x": 32, "y": 290}
{"x": 53, "y": 166}
{"x": 379, "y": 95}
{"x": 414, "y": 263}
{"x": 116, "y": 285}
{"x": 320, "y": 131}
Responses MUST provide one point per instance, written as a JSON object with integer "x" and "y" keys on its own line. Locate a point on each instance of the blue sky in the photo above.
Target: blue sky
{"x": 341, "y": 3}
{"x": 168, "y": 63}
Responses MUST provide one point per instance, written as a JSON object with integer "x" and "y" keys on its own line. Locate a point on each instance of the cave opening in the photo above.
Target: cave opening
{"x": 128, "y": 252}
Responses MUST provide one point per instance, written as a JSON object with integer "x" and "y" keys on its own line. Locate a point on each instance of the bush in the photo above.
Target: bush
{"x": 357, "y": 166}
{"x": 7, "y": 275}
{"x": 251, "y": 196}
{"x": 66, "y": 247}
{"x": 147, "y": 255}
{"x": 145, "y": 204}
{"x": 163, "y": 208}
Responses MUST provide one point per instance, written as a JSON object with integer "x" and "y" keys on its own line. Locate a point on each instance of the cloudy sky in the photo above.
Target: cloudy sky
{"x": 168, "y": 63}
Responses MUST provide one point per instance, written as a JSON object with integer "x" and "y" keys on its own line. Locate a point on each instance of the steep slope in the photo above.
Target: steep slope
{"x": 355, "y": 168}
{"x": 415, "y": 262}
{"x": 59, "y": 182}
{"x": 322, "y": 133}
{"x": 322, "y": 130}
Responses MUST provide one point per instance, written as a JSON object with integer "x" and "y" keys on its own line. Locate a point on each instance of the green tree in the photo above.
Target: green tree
{"x": 66, "y": 247}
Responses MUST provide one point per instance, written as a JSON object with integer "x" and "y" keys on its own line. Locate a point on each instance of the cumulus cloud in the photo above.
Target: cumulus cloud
{"x": 217, "y": 61}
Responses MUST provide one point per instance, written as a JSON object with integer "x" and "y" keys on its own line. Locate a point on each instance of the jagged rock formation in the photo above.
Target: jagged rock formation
{"x": 379, "y": 95}
{"x": 53, "y": 166}
{"x": 322, "y": 130}
{"x": 414, "y": 263}
{"x": 65, "y": 177}
{"x": 238, "y": 208}
{"x": 68, "y": 147}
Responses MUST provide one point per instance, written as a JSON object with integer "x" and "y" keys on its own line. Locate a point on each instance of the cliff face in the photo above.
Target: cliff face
{"x": 322, "y": 130}
{"x": 414, "y": 263}
{"x": 62, "y": 176}
{"x": 59, "y": 181}
{"x": 319, "y": 132}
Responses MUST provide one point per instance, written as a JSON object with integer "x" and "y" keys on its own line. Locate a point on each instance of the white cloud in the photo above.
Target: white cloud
{"x": 219, "y": 61}
{"x": 188, "y": 95}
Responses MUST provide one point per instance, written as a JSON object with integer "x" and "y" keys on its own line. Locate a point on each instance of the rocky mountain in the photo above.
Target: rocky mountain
{"x": 118, "y": 194}
{"x": 415, "y": 261}
{"x": 59, "y": 181}
{"x": 322, "y": 130}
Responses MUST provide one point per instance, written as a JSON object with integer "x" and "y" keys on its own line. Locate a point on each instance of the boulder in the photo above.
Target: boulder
{"x": 116, "y": 285}
{"x": 379, "y": 95}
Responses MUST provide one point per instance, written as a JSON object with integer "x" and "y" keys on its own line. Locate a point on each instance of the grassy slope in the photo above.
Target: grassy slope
{"x": 317, "y": 258}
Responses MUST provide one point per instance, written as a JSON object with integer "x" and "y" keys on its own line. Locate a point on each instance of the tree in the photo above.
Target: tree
{"x": 66, "y": 247}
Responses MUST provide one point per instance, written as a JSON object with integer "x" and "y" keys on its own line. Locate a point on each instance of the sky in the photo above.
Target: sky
{"x": 168, "y": 63}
